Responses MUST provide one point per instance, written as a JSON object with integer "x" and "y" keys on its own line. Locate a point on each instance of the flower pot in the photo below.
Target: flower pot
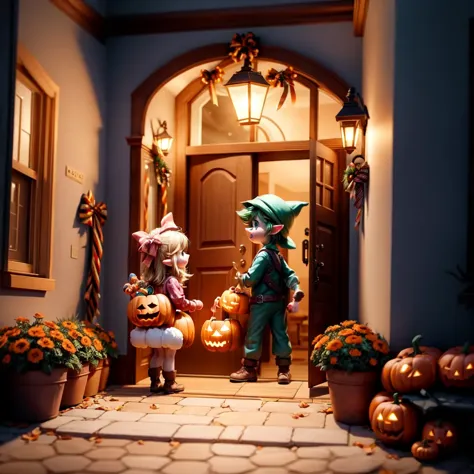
{"x": 92, "y": 387}
{"x": 351, "y": 394}
{"x": 36, "y": 396}
{"x": 75, "y": 386}
{"x": 104, "y": 376}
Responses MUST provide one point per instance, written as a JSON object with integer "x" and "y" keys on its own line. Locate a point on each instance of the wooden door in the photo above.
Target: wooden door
{"x": 217, "y": 186}
{"x": 325, "y": 247}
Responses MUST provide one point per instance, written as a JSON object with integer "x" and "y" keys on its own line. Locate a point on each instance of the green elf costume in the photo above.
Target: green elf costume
{"x": 269, "y": 219}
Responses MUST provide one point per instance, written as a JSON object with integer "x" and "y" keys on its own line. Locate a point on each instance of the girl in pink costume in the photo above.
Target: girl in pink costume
{"x": 164, "y": 266}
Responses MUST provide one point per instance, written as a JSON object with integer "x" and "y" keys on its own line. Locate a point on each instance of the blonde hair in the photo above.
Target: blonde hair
{"x": 173, "y": 243}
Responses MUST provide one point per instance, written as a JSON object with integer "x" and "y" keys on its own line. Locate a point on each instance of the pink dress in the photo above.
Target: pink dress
{"x": 174, "y": 291}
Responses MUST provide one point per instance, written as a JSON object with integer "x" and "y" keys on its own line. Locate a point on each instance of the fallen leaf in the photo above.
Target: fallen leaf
{"x": 92, "y": 438}
{"x": 358, "y": 444}
{"x": 119, "y": 408}
{"x": 98, "y": 441}
{"x": 174, "y": 444}
{"x": 299, "y": 415}
{"x": 225, "y": 405}
{"x": 36, "y": 431}
{"x": 259, "y": 447}
{"x": 114, "y": 399}
{"x": 140, "y": 442}
{"x": 327, "y": 410}
{"x": 369, "y": 450}
{"x": 393, "y": 456}
{"x": 303, "y": 405}
{"x": 154, "y": 406}
{"x": 50, "y": 433}
{"x": 64, "y": 437}
{"x": 104, "y": 408}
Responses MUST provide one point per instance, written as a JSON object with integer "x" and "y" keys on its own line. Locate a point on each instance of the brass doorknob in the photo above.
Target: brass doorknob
{"x": 242, "y": 262}
{"x": 242, "y": 249}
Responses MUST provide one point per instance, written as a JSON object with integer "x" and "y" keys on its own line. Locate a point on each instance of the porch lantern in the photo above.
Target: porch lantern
{"x": 248, "y": 91}
{"x": 353, "y": 120}
{"x": 163, "y": 139}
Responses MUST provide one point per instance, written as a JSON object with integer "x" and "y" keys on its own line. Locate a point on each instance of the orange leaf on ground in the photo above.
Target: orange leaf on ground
{"x": 64, "y": 437}
{"x": 174, "y": 444}
{"x": 50, "y": 433}
{"x": 154, "y": 406}
{"x": 299, "y": 415}
{"x": 140, "y": 442}
{"x": 393, "y": 456}
{"x": 327, "y": 410}
{"x": 303, "y": 405}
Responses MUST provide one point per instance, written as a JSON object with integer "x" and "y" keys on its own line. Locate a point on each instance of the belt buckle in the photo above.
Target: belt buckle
{"x": 259, "y": 299}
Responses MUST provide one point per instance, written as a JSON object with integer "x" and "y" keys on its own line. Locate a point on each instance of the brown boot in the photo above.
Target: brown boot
{"x": 247, "y": 373}
{"x": 170, "y": 385}
{"x": 155, "y": 384}
{"x": 284, "y": 376}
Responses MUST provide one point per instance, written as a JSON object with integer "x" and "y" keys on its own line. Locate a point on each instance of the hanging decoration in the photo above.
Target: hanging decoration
{"x": 285, "y": 79}
{"x": 243, "y": 46}
{"x": 93, "y": 215}
{"x": 163, "y": 177}
{"x": 356, "y": 175}
{"x": 212, "y": 78}
{"x": 146, "y": 196}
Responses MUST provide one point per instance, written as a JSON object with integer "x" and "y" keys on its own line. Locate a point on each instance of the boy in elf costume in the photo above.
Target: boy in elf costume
{"x": 269, "y": 220}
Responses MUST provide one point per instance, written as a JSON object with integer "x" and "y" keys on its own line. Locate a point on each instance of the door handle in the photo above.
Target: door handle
{"x": 242, "y": 249}
{"x": 319, "y": 247}
{"x": 242, "y": 262}
{"x": 305, "y": 247}
{"x": 317, "y": 266}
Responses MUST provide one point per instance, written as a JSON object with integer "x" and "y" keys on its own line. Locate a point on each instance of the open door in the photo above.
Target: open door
{"x": 324, "y": 247}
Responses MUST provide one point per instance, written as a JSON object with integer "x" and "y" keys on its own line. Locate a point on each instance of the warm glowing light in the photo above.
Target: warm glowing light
{"x": 380, "y": 417}
{"x": 392, "y": 417}
{"x": 449, "y": 434}
{"x": 216, "y": 333}
{"x": 456, "y": 374}
{"x": 405, "y": 367}
{"x": 225, "y": 328}
{"x": 164, "y": 144}
{"x": 416, "y": 374}
{"x": 209, "y": 328}
{"x": 469, "y": 367}
{"x": 431, "y": 433}
{"x": 350, "y": 134}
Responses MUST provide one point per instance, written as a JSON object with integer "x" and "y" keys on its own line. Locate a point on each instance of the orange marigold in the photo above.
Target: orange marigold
{"x": 46, "y": 342}
{"x": 39, "y": 316}
{"x": 104, "y": 336}
{"x": 51, "y": 325}
{"x": 353, "y": 339}
{"x": 74, "y": 333}
{"x": 3, "y": 341}
{"x": 55, "y": 334}
{"x": 36, "y": 331}
{"x": 346, "y": 332}
{"x": 113, "y": 345}
{"x": 348, "y": 323}
{"x": 373, "y": 362}
{"x": 111, "y": 334}
{"x": 13, "y": 332}
{"x": 332, "y": 328}
{"x": 35, "y": 356}
{"x": 90, "y": 332}
{"x": 380, "y": 346}
{"x": 22, "y": 319}
{"x": 334, "y": 345}
{"x": 362, "y": 328}
{"x": 321, "y": 342}
{"x": 6, "y": 359}
{"x": 86, "y": 341}
{"x": 68, "y": 325}
{"x": 333, "y": 360}
{"x": 371, "y": 337}
{"x": 68, "y": 346}
{"x": 317, "y": 339}
{"x": 98, "y": 345}
{"x": 355, "y": 353}
{"x": 20, "y": 346}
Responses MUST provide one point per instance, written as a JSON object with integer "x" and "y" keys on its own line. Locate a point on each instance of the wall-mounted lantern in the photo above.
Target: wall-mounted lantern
{"x": 163, "y": 139}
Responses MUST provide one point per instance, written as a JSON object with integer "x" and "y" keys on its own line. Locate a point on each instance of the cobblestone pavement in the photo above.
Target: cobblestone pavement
{"x": 126, "y": 431}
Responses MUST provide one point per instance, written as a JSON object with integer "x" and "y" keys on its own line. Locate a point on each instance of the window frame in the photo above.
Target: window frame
{"x": 37, "y": 276}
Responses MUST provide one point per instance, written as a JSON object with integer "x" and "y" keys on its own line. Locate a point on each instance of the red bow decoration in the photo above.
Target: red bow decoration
{"x": 94, "y": 215}
{"x": 243, "y": 46}
{"x": 356, "y": 175}
{"x": 283, "y": 79}
{"x": 212, "y": 78}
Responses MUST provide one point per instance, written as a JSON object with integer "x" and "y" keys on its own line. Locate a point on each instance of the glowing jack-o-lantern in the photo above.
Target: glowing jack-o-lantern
{"x": 412, "y": 370}
{"x": 221, "y": 336}
{"x": 185, "y": 324}
{"x": 443, "y": 433}
{"x": 234, "y": 301}
{"x": 456, "y": 367}
{"x": 393, "y": 421}
{"x": 150, "y": 311}
{"x": 425, "y": 450}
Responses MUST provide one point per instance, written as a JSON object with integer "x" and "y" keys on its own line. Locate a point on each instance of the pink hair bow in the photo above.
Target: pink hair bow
{"x": 149, "y": 244}
{"x": 167, "y": 223}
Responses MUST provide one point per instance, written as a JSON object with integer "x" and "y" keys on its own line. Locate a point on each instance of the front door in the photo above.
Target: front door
{"x": 216, "y": 188}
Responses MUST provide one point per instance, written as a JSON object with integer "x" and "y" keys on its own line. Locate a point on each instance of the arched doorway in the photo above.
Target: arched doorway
{"x": 240, "y": 163}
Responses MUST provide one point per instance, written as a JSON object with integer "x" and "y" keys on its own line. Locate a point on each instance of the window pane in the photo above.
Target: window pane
{"x": 20, "y": 218}
{"x": 328, "y": 108}
{"x": 23, "y": 124}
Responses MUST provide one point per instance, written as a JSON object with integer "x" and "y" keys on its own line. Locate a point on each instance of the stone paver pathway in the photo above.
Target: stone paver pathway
{"x": 130, "y": 431}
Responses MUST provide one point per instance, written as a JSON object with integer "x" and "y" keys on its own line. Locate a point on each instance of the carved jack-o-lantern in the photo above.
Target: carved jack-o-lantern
{"x": 150, "y": 311}
{"x": 185, "y": 324}
{"x": 234, "y": 301}
{"x": 425, "y": 450}
{"x": 394, "y": 422}
{"x": 443, "y": 433}
{"x": 221, "y": 336}
{"x": 456, "y": 367}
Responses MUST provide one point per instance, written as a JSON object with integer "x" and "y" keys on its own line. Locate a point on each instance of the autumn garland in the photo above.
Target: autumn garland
{"x": 243, "y": 47}
{"x": 355, "y": 176}
{"x": 285, "y": 79}
{"x": 163, "y": 178}
{"x": 212, "y": 78}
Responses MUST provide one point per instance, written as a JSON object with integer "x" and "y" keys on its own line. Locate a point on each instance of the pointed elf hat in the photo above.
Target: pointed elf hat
{"x": 278, "y": 211}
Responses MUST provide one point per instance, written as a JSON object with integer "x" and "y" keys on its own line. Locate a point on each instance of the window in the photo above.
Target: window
{"x": 32, "y": 179}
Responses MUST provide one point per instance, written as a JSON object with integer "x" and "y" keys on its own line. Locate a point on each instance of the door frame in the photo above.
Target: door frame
{"x": 125, "y": 369}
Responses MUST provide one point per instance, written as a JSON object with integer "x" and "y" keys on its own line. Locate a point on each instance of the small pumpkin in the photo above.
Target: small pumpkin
{"x": 412, "y": 370}
{"x": 150, "y": 311}
{"x": 426, "y": 450}
{"x": 394, "y": 422}
{"x": 185, "y": 324}
{"x": 456, "y": 367}
{"x": 377, "y": 400}
{"x": 234, "y": 301}
{"x": 221, "y": 336}
{"x": 443, "y": 433}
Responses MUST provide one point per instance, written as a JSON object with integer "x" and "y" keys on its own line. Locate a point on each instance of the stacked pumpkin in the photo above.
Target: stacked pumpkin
{"x": 396, "y": 422}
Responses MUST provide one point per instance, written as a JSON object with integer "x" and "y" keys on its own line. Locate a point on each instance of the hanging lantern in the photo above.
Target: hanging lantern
{"x": 163, "y": 139}
{"x": 353, "y": 119}
{"x": 248, "y": 90}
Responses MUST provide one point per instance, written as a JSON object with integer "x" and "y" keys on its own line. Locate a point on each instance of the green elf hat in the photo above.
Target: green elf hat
{"x": 278, "y": 211}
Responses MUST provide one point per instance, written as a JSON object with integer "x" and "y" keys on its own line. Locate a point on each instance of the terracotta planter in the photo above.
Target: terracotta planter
{"x": 92, "y": 387}
{"x": 104, "y": 376}
{"x": 351, "y": 394}
{"x": 36, "y": 396}
{"x": 75, "y": 386}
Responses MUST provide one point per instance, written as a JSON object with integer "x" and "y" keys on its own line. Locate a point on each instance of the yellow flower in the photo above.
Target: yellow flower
{"x": 68, "y": 325}
{"x": 36, "y": 331}
{"x": 35, "y": 356}
{"x": 353, "y": 339}
{"x": 333, "y": 360}
{"x": 334, "y": 345}
{"x": 46, "y": 342}
{"x": 346, "y": 332}
{"x": 348, "y": 324}
{"x": 355, "y": 353}
{"x": 20, "y": 346}
{"x": 98, "y": 345}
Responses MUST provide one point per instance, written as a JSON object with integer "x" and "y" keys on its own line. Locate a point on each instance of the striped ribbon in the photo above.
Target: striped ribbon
{"x": 164, "y": 197}
{"x": 361, "y": 177}
{"x": 146, "y": 197}
{"x": 93, "y": 215}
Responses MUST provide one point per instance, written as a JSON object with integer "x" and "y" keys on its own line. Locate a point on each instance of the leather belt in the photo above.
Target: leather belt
{"x": 259, "y": 299}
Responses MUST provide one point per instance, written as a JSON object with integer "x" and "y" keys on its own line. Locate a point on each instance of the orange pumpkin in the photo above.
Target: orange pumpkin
{"x": 443, "y": 433}
{"x": 425, "y": 450}
{"x": 394, "y": 422}
{"x": 416, "y": 349}
{"x": 185, "y": 324}
{"x": 234, "y": 301}
{"x": 150, "y": 311}
{"x": 221, "y": 336}
{"x": 456, "y": 367}
{"x": 377, "y": 400}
